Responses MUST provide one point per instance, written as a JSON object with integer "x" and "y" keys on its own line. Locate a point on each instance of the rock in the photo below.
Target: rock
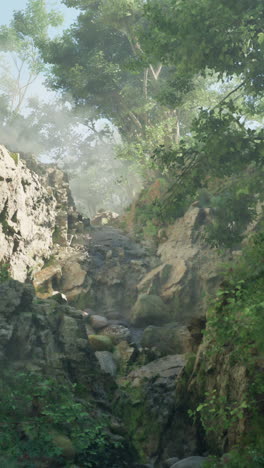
{"x": 170, "y": 461}
{"x": 149, "y": 309}
{"x": 97, "y": 322}
{"x": 189, "y": 269}
{"x": 117, "y": 333}
{"x": 166, "y": 367}
{"x": 12, "y": 295}
{"x": 89, "y": 330}
{"x": 190, "y": 462}
{"x": 106, "y": 361}
{"x": 73, "y": 276}
{"x": 124, "y": 354}
{"x": 28, "y": 216}
{"x": 117, "y": 427}
{"x": 169, "y": 339}
{"x": 153, "y": 281}
{"x": 100, "y": 343}
{"x": 64, "y": 444}
{"x": 43, "y": 280}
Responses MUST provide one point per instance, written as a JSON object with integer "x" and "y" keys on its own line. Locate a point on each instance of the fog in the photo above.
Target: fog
{"x": 43, "y": 123}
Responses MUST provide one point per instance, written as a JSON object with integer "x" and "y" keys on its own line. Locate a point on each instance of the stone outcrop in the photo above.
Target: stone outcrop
{"x": 37, "y": 212}
{"x": 27, "y": 217}
{"x": 44, "y": 335}
{"x": 189, "y": 268}
{"x": 146, "y": 401}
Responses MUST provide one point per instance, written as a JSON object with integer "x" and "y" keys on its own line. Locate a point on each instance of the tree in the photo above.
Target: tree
{"x": 21, "y": 62}
{"x": 223, "y": 153}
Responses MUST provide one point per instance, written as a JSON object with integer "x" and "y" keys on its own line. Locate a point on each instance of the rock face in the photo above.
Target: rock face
{"x": 36, "y": 212}
{"x": 189, "y": 269}
{"x": 99, "y": 270}
{"x": 149, "y": 309}
{"x": 43, "y": 335}
{"x": 27, "y": 217}
{"x": 169, "y": 339}
{"x": 146, "y": 401}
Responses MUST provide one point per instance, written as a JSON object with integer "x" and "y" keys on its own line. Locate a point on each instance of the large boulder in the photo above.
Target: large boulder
{"x": 149, "y": 402}
{"x": 172, "y": 338}
{"x": 149, "y": 310}
{"x": 97, "y": 322}
{"x": 190, "y": 462}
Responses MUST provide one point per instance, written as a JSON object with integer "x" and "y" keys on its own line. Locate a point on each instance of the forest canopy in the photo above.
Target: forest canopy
{"x": 181, "y": 84}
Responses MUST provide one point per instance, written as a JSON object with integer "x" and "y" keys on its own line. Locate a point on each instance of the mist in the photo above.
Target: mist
{"x": 53, "y": 131}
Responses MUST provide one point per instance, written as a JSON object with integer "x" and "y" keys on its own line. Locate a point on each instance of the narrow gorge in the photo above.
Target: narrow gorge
{"x": 116, "y": 325}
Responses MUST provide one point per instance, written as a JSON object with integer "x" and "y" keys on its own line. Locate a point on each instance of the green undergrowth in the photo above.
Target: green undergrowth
{"x": 146, "y": 217}
{"x": 15, "y": 157}
{"x": 143, "y": 430}
{"x": 234, "y": 344}
{"x": 4, "y": 272}
{"x": 44, "y": 423}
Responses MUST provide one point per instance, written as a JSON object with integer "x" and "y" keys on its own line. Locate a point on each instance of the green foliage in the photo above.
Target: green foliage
{"x": 15, "y": 157}
{"x": 225, "y": 157}
{"x": 145, "y": 217}
{"x": 218, "y": 415}
{"x": 224, "y": 151}
{"x": 4, "y": 272}
{"x": 19, "y": 44}
{"x": 224, "y": 37}
{"x": 235, "y": 327}
{"x": 34, "y": 410}
{"x": 244, "y": 457}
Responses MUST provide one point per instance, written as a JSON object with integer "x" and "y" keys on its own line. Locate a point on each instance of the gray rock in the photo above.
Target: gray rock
{"x": 97, "y": 322}
{"x": 106, "y": 362}
{"x": 149, "y": 310}
{"x": 190, "y": 462}
{"x": 166, "y": 367}
{"x": 170, "y": 461}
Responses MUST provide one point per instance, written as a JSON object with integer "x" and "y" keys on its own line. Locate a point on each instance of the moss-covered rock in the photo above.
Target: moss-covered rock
{"x": 64, "y": 444}
{"x": 149, "y": 310}
{"x": 100, "y": 342}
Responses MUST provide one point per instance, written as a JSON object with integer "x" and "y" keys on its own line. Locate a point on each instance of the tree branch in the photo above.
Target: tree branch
{"x": 230, "y": 94}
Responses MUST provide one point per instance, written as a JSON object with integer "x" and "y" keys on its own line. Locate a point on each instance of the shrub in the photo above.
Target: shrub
{"x": 35, "y": 410}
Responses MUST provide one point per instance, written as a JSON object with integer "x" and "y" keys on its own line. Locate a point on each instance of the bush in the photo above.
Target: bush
{"x": 36, "y": 412}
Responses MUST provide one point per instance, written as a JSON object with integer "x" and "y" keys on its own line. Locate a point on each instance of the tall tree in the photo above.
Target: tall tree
{"x": 21, "y": 62}
{"x": 224, "y": 152}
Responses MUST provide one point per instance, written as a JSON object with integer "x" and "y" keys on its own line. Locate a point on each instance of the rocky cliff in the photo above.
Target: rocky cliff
{"x": 35, "y": 207}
